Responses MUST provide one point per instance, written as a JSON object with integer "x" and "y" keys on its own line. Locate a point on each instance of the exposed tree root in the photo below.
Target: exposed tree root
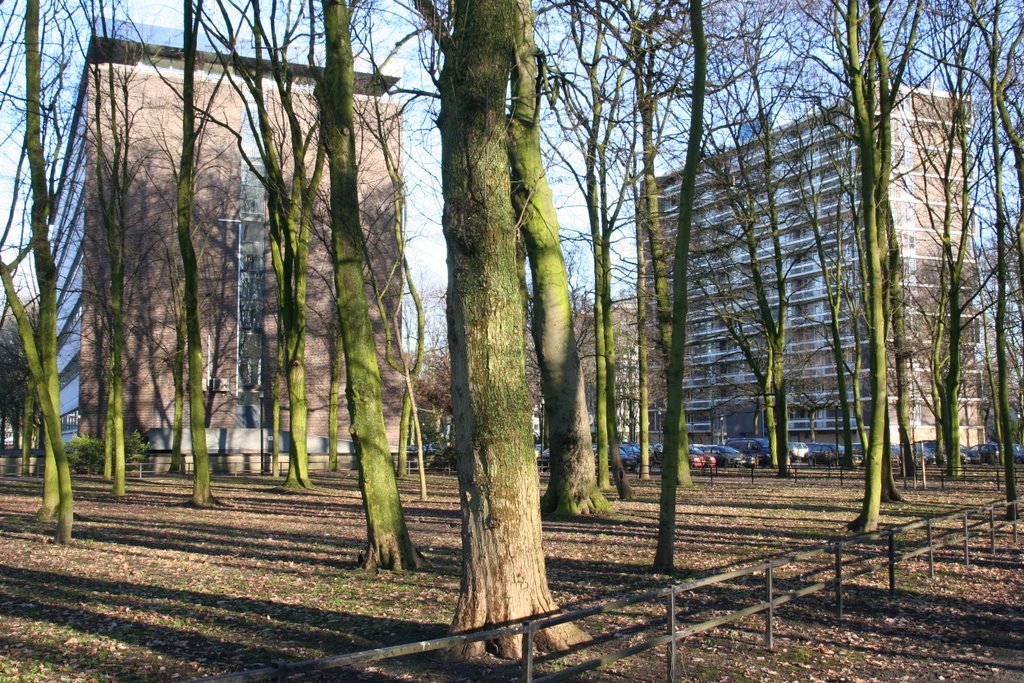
{"x": 860, "y": 525}
{"x": 567, "y": 505}
{"x": 391, "y": 555}
{"x": 554, "y": 639}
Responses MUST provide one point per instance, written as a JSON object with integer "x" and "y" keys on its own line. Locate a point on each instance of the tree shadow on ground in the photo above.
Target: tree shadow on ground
{"x": 126, "y": 612}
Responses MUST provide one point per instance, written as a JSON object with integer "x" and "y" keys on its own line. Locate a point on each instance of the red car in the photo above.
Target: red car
{"x": 698, "y": 458}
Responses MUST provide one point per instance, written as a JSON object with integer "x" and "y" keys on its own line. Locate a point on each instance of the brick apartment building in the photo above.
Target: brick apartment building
{"x": 238, "y": 294}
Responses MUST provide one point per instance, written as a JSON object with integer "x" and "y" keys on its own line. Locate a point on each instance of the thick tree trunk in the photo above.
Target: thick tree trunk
{"x": 388, "y": 543}
{"x": 503, "y": 576}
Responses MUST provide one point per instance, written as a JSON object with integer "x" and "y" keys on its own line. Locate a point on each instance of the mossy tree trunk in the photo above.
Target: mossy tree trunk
{"x": 572, "y": 488}
{"x": 388, "y": 543}
{"x": 873, "y": 94}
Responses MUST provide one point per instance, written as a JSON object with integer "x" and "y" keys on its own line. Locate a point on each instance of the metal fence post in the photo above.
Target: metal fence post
{"x": 672, "y": 634}
{"x": 967, "y": 549}
{"x": 931, "y": 552}
{"x": 526, "y": 668}
{"x": 282, "y": 670}
{"x": 769, "y": 634}
{"x": 839, "y": 581}
{"x": 892, "y": 563}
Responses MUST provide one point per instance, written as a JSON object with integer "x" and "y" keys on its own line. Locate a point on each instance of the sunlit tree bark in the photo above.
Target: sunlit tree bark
{"x": 572, "y": 488}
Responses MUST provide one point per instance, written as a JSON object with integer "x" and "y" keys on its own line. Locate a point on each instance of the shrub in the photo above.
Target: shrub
{"x": 135, "y": 447}
{"x": 86, "y": 456}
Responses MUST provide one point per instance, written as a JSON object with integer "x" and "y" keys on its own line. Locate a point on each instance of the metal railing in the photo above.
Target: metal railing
{"x": 934, "y": 476}
{"x": 838, "y": 561}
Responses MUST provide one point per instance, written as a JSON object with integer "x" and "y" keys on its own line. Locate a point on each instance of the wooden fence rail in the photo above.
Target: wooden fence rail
{"x": 838, "y": 559}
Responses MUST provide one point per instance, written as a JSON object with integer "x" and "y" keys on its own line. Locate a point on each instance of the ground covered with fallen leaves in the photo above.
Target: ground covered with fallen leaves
{"x": 153, "y": 589}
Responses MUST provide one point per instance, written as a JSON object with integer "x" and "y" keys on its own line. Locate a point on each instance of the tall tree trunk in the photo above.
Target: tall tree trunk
{"x": 675, "y": 420}
{"x": 503, "y": 569}
{"x": 332, "y": 411}
{"x": 108, "y": 429}
{"x": 40, "y": 345}
{"x": 112, "y": 178}
{"x": 863, "y": 116}
{"x": 607, "y": 329}
{"x": 27, "y": 418}
{"x": 202, "y": 494}
{"x": 644, "y": 215}
{"x": 572, "y": 487}
{"x": 404, "y": 429}
{"x": 178, "y": 370}
{"x": 781, "y": 406}
{"x": 601, "y": 368}
{"x": 1001, "y": 122}
{"x": 295, "y": 376}
{"x": 275, "y": 408}
{"x": 388, "y": 543}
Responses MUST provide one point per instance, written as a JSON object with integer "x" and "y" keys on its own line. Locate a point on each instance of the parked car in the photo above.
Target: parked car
{"x": 698, "y": 458}
{"x": 822, "y": 454}
{"x": 929, "y": 451}
{"x": 756, "y": 447}
{"x": 798, "y": 451}
{"x": 971, "y": 456}
{"x": 630, "y": 454}
{"x": 726, "y": 456}
{"x": 989, "y": 453}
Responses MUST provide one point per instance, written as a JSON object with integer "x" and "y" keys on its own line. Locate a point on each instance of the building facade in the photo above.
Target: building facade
{"x": 129, "y": 121}
{"x": 777, "y": 220}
